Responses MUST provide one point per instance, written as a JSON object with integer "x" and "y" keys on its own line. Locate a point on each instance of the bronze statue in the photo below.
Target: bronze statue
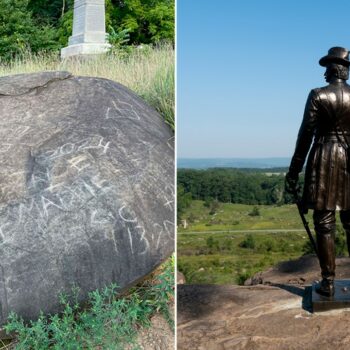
{"x": 326, "y": 122}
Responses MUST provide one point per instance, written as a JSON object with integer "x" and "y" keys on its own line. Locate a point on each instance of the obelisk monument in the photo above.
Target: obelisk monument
{"x": 89, "y": 29}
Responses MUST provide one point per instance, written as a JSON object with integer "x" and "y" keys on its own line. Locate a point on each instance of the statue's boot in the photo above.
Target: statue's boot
{"x": 326, "y": 287}
{"x": 326, "y": 253}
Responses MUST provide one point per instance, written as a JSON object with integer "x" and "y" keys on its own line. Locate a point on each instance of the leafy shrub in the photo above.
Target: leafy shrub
{"x": 248, "y": 242}
{"x": 212, "y": 244}
{"x": 268, "y": 245}
{"x": 255, "y": 211}
{"x": 340, "y": 244}
{"x": 107, "y": 323}
{"x": 242, "y": 277}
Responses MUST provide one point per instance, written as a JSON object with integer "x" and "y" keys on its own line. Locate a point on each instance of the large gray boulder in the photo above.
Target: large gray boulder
{"x": 86, "y": 189}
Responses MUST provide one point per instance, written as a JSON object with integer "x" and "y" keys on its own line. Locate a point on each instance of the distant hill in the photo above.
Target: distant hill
{"x": 258, "y": 163}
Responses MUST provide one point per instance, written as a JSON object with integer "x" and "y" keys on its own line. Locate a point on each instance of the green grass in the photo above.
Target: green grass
{"x": 226, "y": 261}
{"x": 236, "y": 217}
{"x": 108, "y": 322}
{"x": 148, "y": 71}
{"x": 216, "y": 249}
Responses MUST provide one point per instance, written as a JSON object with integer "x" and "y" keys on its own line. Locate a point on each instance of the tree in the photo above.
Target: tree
{"x": 183, "y": 201}
{"x": 19, "y": 32}
{"x": 49, "y": 11}
{"x": 148, "y": 21}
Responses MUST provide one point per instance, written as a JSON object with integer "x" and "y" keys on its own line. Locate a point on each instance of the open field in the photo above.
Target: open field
{"x": 236, "y": 217}
{"x": 208, "y": 256}
{"x": 225, "y": 261}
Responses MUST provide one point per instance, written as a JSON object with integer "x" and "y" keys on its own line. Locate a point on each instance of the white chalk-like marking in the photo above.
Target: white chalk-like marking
{"x": 123, "y": 217}
{"x": 46, "y": 203}
{"x": 67, "y": 148}
{"x": 169, "y": 203}
{"x": 89, "y": 188}
{"x": 170, "y": 232}
{"x": 143, "y": 239}
{"x": 105, "y": 147}
{"x": 74, "y": 162}
{"x": 5, "y": 147}
{"x": 160, "y": 233}
{"x": 52, "y": 187}
{"x": 130, "y": 240}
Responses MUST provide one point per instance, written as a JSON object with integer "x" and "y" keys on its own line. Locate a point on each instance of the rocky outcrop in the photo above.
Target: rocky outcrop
{"x": 86, "y": 189}
{"x": 273, "y": 316}
{"x": 302, "y": 271}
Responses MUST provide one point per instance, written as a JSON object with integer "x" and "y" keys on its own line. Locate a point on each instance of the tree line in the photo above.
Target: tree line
{"x": 45, "y": 25}
{"x": 232, "y": 186}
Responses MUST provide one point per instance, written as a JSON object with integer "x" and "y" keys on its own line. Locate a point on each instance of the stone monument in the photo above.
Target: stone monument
{"x": 89, "y": 29}
{"x": 86, "y": 189}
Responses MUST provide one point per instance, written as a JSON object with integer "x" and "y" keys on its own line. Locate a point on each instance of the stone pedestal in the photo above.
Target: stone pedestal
{"x": 340, "y": 300}
{"x": 89, "y": 29}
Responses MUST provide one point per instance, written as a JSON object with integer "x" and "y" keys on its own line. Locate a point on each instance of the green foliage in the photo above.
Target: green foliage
{"x": 246, "y": 186}
{"x": 107, "y": 322}
{"x": 255, "y": 211}
{"x": 117, "y": 39}
{"x": 248, "y": 242}
{"x": 212, "y": 204}
{"x": 183, "y": 201}
{"x": 212, "y": 244}
{"x": 269, "y": 245}
{"x": 37, "y": 25}
{"x": 340, "y": 244}
{"x": 49, "y": 11}
{"x": 65, "y": 27}
{"x": 233, "y": 256}
{"x": 19, "y": 32}
{"x": 148, "y": 21}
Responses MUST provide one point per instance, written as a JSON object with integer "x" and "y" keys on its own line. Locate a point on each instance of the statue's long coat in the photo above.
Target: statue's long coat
{"x": 326, "y": 120}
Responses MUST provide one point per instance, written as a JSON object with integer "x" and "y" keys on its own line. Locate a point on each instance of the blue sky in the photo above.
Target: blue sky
{"x": 244, "y": 70}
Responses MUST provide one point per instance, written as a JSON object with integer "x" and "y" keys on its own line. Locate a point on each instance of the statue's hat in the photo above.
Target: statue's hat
{"x": 336, "y": 55}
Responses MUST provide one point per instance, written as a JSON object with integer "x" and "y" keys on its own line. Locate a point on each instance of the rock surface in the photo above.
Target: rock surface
{"x": 87, "y": 189}
{"x": 275, "y": 316}
{"x": 302, "y": 271}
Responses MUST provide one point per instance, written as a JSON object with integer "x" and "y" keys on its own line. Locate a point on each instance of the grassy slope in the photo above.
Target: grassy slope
{"x": 226, "y": 261}
{"x": 235, "y": 217}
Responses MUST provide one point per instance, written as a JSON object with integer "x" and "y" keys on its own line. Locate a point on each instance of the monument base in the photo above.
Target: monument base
{"x": 84, "y": 49}
{"x": 340, "y": 300}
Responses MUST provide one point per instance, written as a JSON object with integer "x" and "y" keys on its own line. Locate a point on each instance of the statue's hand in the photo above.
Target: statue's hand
{"x": 291, "y": 184}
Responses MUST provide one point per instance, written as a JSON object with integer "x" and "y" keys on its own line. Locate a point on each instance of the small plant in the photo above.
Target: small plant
{"x": 117, "y": 39}
{"x": 242, "y": 277}
{"x": 212, "y": 244}
{"x": 267, "y": 246}
{"x": 191, "y": 218}
{"x": 255, "y": 211}
{"x": 108, "y": 322}
{"x": 248, "y": 242}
